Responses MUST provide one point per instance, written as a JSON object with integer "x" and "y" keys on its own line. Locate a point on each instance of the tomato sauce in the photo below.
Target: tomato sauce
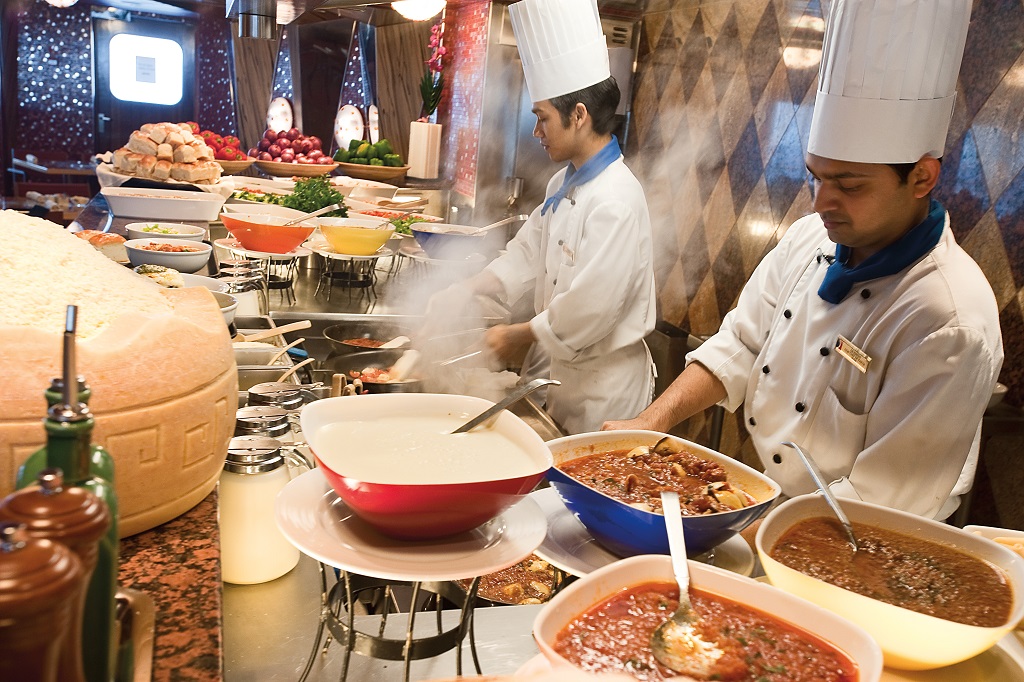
{"x": 638, "y": 478}
{"x": 898, "y": 569}
{"x": 363, "y": 342}
{"x": 615, "y": 636}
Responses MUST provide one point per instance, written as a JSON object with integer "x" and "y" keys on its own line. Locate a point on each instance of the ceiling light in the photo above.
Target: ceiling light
{"x": 418, "y": 10}
{"x": 61, "y": 3}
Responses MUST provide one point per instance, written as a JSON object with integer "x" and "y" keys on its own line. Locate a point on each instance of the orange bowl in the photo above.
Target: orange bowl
{"x": 266, "y": 233}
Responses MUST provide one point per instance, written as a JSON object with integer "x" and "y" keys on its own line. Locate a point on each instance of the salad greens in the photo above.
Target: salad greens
{"x": 159, "y": 230}
{"x": 402, "y": 224}
{"x": 309, "y": 195}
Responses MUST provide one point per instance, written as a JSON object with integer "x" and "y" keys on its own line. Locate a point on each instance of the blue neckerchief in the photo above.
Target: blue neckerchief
{"x": 921, "y": 239}
{"x": 587, "y": 172}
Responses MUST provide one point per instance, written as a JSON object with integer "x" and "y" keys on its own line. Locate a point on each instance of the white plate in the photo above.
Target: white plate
{"x": 202, "y": 281}
{"x": 373, "y": 117}
{"x": 264, "y": 185}
{"x": 279, "y": 114}
{"x": 348, "y": 126}
{"x": 162, "y": 204}
{"x": 316, "y": 521}
{"x": 569, "y": 546}
{"x": 359, "y": 188}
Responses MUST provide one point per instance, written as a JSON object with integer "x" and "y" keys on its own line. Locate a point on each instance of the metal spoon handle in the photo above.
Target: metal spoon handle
{"x": 513, "y": 397}
{"x": 314, "y": 214}
{"x": 676, "y": 539}
{"x": 819, "y": 480}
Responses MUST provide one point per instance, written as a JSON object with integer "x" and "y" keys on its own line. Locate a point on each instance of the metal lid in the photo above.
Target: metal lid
{"x": 266, "y": 420}
{"x": 253, "y": 455}
{"x": 277, "y": 393}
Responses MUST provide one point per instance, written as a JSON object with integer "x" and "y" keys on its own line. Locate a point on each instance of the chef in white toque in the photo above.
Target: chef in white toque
{"x": 585, "y": 255}
{"x": 867, "y": 336}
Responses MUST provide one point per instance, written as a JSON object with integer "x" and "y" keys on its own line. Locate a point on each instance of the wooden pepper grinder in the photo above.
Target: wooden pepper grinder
{"x": 73, "y": 517}
{"x": 40, "y": 584}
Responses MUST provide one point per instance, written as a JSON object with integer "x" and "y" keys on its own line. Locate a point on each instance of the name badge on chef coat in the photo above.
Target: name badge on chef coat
{"x": 852, "y": 354}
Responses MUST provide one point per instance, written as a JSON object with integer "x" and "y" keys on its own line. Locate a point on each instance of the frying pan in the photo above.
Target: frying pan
{"x": 356, "y": 362}
{"x": 337, "y": 334}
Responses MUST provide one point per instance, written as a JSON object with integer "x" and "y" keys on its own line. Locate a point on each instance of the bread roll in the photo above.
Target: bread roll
{"x": 164, "y": 152}
{"x": 184, "y": 154}
{"x": 162, "y": 169}
{"x": 140, "y": 142}
{"x": 159, "y": 362}
{"x": 157, "y": 133}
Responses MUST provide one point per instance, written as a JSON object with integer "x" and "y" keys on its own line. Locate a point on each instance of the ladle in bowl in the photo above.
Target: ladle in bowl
{"x": 513, "y": 397}
{"x": 819, "y": 480}
{"x": 677, "y": 644}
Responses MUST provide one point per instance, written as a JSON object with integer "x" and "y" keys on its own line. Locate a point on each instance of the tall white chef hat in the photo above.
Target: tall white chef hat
{"x": 887, "y": 81}
{"x": 561, "y": 45}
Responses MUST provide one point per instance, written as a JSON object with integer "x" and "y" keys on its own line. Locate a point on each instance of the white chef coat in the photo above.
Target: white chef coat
{"x": 589, "y": 264}
{"x": 903, "y": 434}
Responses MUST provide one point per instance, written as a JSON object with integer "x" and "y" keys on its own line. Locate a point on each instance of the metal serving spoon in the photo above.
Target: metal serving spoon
{"x": 676, "y": 643}
{"x": 513, "y": 397}
{"x": 314, "y": 214}
{"x": 819, "y": 480}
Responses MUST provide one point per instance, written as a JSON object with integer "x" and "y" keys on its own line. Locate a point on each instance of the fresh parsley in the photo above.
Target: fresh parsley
{"x": 311, "y": 194}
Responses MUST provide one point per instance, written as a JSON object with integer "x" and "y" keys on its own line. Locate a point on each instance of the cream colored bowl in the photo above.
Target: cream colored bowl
{"x": 607, "y": 581}
{"x": 909, "y": 640}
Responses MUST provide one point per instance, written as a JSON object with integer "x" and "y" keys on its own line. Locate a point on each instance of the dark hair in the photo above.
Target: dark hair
{"x": 600, "y": 99}
{"x": 902, "y": 170}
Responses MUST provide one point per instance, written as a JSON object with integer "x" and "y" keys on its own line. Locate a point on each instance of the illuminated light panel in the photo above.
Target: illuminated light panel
{"x": 145, "y": 69}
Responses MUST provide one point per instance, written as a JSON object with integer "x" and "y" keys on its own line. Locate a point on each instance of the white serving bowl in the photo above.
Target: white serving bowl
{"x": 909, "y": 640}
{"x": 187, "y": 262}
{"x": 203, "y": 281}
{"x": 357, "y": 187}
{"x": 598, "y": 586}
{"x": 228, "y": 305}
{"x": 174, "y": 231}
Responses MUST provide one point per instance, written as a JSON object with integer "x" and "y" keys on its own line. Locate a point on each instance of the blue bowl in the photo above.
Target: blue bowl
{"x": 626, "y": 530}
{"x": 439, "y": 244}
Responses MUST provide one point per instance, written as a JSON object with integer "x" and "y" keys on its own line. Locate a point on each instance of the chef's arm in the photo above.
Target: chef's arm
{"x": 694, "y": 390}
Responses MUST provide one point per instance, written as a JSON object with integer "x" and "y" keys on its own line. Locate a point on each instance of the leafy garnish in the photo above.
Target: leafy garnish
{"x": 311, "y": 194}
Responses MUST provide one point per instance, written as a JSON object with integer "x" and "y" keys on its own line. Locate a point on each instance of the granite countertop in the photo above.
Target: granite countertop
{"x": 177, "y": 564}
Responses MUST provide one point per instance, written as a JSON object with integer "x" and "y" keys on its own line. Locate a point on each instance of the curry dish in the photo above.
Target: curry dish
{"x": 531, "y": 581}
{"x": 615, "y": 636}
{"x": 898, "y": 569}
{"x": 638, "y": 476}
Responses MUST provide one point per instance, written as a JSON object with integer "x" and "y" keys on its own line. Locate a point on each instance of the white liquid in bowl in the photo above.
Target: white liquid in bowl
{"x": 420, "y": 450}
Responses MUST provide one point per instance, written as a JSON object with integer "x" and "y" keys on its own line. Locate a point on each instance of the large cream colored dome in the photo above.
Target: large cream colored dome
{"x": 159, "y": 362}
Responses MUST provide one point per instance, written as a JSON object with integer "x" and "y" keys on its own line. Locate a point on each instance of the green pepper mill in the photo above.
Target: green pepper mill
{"x": 69, "y": 447}
{"x": 101, "y": 464}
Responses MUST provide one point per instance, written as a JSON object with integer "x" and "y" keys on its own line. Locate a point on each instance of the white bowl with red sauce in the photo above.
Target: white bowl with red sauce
{"x": 792, "y": 612}
{"x": 377, "y": 454}
{"x": 627, "y": 530}
{"x": 909, "y": 640}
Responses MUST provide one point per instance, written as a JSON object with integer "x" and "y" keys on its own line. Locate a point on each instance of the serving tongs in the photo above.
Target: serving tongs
{"x": 830, "y": 499}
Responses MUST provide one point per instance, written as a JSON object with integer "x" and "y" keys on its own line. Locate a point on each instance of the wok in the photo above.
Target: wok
{"x": 337, "y": 334}
{"x": 356, "y": 362}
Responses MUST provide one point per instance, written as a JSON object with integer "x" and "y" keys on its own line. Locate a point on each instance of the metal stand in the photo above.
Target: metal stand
{"x": 338, "y": 606}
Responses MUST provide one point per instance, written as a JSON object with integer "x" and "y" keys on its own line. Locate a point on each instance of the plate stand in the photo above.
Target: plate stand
{"x": 337, "y": 615}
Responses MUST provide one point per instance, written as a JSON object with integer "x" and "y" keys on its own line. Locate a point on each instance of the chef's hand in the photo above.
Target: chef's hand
{"x": 637, "y": 423}
{"x": 506, "y": 341}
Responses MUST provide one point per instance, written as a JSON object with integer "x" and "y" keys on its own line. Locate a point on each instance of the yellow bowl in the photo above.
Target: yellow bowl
{"x": 355, "y": 236}
{"x": 909, "y": 640}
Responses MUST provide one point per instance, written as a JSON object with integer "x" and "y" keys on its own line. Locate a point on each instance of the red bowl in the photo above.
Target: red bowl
{"x": 422, "y": 499}
{"x": 266, "y": 233}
